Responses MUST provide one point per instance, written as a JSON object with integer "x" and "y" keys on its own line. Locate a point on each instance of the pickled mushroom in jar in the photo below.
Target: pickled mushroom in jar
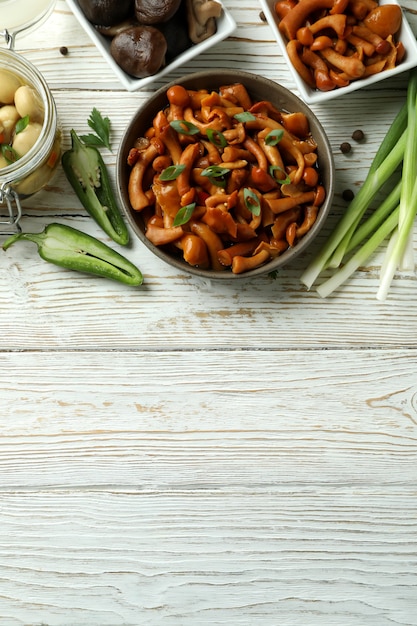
{"x": 21, "y": 118}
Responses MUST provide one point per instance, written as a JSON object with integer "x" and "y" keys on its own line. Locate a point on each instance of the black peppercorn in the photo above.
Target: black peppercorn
{"x": 63, "y": 50}
{"x": 345, "y": 147}
{"x": 348, "y": 195}
{"x": 358, "y": 135}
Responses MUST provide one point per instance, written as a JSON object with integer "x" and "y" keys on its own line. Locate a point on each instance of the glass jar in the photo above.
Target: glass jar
{"x": 32, "y": 171}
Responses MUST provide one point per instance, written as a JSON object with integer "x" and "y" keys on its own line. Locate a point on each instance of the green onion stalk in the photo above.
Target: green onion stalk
{"x": 399, "y": 249}
{"x": 354, "y": 239}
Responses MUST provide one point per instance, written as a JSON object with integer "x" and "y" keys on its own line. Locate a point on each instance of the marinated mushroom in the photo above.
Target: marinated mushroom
{"x": 331, "y": 43}
{"x": 176, "y": 33}
{"x": 27, "y": 102}
{"x": 8, "y": 85}
{"x": 201, "y": 17}
{"x": 384, "y": 20}
{"x": 182, "y": 24}
{"x": 139, "y": 50}
{"x": 155, "y": 11}
{"x": 8, "y": 120}
{"x": 26, "y": 139}
{"x": 21, "y": 119}
{"x": 105, "y": 12}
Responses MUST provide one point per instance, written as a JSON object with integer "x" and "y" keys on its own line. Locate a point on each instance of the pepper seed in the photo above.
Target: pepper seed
{"x": 348, "y": 195}
{"x": 63, "y": 50}
{"x": 345, "y": 147}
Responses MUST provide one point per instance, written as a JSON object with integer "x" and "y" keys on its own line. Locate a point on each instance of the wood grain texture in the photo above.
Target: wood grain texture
{"x": 191, "y": 453}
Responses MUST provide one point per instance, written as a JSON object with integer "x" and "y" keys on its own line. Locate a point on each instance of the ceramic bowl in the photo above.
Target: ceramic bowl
{"x": 259, "y": 89}
{"x": 312, "y": 96}
{"x": 225, "y": 27}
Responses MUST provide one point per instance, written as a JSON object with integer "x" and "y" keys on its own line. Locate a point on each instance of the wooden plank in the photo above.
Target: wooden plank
{"x": 46, "y": 307}
{"x": 301, "y": 556}
{"x": 248, "y": 419}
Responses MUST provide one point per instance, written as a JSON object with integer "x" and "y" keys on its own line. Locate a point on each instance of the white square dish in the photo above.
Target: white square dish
{"x": 225, "y": 27}
{"x": 312, "y": 96}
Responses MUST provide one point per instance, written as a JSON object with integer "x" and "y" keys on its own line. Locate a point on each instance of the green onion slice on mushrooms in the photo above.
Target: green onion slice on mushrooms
{"x": 252, "y": 201}
{"x": 184, "y": 214}
{"x": 184, "y": 128}
{"x": 216, "y": 174}
{"x": 172, "y": 172}
{"x": 276, "y": 168}
{"x": 274, "y": 137}
{"x": 216, "y": 138}
{"x": 246, "y": 116}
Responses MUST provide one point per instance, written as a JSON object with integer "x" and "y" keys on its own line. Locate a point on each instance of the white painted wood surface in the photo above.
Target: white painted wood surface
{"x": 188, "y": 453}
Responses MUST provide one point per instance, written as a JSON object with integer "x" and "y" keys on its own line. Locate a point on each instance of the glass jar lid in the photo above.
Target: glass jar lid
{"x": 21, "y": 16}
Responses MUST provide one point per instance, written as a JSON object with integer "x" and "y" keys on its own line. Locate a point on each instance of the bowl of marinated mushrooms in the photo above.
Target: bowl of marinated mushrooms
{"x": 225, "y": 175}
{"x": 335, "y": 47}
{"x": 144, "y": 40}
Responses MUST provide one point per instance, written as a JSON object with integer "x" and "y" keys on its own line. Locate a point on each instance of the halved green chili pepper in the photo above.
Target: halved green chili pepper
{"x": 71, "y": 248}
{"x": 87, "y": 173}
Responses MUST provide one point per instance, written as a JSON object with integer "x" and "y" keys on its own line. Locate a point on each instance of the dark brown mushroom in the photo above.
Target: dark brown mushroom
{"x": 175, "y": 32}
{"x": 139, "y": 51}
{"x": 105, "y": 12}
{"x": 155, "y": 11}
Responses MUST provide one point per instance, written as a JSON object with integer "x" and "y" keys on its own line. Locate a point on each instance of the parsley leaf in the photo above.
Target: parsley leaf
{"x": 101, "y": 127}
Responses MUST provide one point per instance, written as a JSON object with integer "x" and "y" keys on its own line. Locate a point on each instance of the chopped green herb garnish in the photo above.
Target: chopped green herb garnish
{"x": 216, "y": 138}
{"x": 252, "y": 201}
{"x": 21, "y": 124}
{"x": 276, "y": 168}
{"x": 274, "y": 137}
{"x": 216, "y": 174}
{"x": 244, "y": 117}
{"x": 184, "y": 128}
{"x": 184, "y": 214}
{"x": 9, "y": 153}
{"x": 172, "y": 172}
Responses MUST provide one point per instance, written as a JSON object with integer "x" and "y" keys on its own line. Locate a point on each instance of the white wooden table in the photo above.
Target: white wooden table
{"x": 191, "y": 453}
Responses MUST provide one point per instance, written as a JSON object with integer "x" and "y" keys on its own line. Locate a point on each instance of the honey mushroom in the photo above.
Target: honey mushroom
{"x": 223, "y": 231}
{"x": 351, "y": 40}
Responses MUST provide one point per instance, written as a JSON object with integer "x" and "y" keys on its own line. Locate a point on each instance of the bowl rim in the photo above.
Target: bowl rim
{"x": 219, "y": 77}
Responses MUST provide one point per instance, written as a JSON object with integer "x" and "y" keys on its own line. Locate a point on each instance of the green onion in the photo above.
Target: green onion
{"x": 246, "y": 116}
{"x": 184, "y": 128}
{"x": 252, "y": 201}
{"x": 21, "y": 124}
{"x": 276, "y": 168}
{"x": 184, "y": 214}
{"x": 274, "y": 137}
{"x": 360, "y": 257}
{"x": 408, "y": 199}
{"x": 354, "y": 239}
{"x": 216, "y": 174}
{"x": 172, "y": 172}
{"x": 216, "y": 138}
{"x": 9, "y": 153}
{"x": 376, "y": 228}
{"x": 384, "y": 164}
